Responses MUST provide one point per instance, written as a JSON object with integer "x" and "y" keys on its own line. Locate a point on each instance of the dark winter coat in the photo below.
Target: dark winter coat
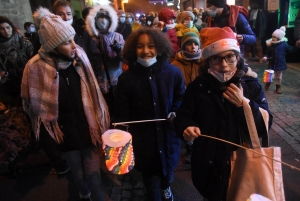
{"x": 35, "y": 41}
{"x": 203, "y": 106}
{"x": 242, "y": 26}
{"x": 260, "y": 26}
{"x": 151, "y": 93}
{"x": 276, "y": 53}
{"x": 124, "y": 29}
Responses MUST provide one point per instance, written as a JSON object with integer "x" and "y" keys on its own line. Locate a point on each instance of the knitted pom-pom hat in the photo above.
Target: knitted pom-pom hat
{"x": 190, "y": 37}
{"x": 53, "y": 30}
{"x": 185, "y": 14}
{"x": 279, "y": 33}
{"x": 215, "y": 40}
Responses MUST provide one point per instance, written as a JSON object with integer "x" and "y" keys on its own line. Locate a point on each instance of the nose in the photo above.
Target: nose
{"x": 73, "y": 44}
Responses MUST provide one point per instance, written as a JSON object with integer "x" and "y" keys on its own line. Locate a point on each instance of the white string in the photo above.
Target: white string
{"x": 133, "y": 122}
{"x": 291, "y": 166}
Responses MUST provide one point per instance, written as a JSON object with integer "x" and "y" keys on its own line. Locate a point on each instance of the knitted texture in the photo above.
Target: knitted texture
{"x": 185, "y": 14}
{"x": 279, "y": 33}
{"x": 215, "y": 40}
{"x": 53, "y": 30}
{"x": 190, "y": 37}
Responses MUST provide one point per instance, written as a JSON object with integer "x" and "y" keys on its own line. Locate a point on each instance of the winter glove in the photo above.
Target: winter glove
{"x": 171, "y": 116}
{"x": 116, "y": 47}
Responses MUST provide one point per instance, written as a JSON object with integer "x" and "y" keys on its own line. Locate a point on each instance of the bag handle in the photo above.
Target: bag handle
{"x": 251, "y": 126}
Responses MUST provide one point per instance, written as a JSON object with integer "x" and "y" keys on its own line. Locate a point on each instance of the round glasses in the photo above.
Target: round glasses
{"x": 230, "y": 58}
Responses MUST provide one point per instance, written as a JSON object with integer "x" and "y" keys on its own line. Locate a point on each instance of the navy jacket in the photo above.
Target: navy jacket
{"x": 203, "y": 106}
{"x": 151, "y": 93}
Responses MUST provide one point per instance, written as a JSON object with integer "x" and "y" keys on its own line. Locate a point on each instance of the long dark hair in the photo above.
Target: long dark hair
{"x": 4, "y": 19}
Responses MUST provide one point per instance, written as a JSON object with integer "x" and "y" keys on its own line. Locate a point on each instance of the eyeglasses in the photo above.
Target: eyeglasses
{"x": 230, "y": 58}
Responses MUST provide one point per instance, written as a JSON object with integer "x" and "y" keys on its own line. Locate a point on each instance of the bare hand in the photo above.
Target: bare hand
{"x": 190, "y": 133}
{"x": 3, "y": 74}
{"x": 298, "y": 43}
{"x": 234, "y": 95}
{"x": 239, "y": 38}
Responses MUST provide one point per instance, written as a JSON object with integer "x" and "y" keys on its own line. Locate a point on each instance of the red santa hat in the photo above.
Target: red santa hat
{"x": 215, "y": 40}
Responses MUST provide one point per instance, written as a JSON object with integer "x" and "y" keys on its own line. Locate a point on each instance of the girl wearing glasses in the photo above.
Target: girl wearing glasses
{"x": 212, "y": 105}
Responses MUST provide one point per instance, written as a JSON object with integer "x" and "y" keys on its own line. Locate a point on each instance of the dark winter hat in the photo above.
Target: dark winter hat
{"x": 190, "y": 37}
{"x": 217, "y": 3}
{"x": 166, "y": 14}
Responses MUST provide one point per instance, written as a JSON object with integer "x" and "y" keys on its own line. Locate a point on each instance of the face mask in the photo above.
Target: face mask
{"x": 122, "y": 19}
{"x": 70, "y": 21}
{"x": 188, "y": 23}
{"x": 102, "y": 23}
{"x": 147, "y": 62}
{"x": 32, "y": 29}
{"x": 149, "y": 23}
{"x": 222, "y": 77}
{"x": 211, "y": 12}
{"x": 129, "y": 20}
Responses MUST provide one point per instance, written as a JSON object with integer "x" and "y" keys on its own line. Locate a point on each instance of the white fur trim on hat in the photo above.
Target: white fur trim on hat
{"x": 219, "y": 47}
{"x": 90, "y": 19}
{"x": 279, "y": 33}
{"x": 53, "y": 30}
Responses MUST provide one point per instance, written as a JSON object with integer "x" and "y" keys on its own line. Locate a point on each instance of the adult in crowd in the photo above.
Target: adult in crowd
{"x": 129, "y": 18}
{"x": 15, "y": 51}
{"x": 64, "y": 9}
{"x": 297, "y": 29}
{"x": 32, "y": 36}
{"x": 60, "y": 80}
{"x": 212, "y": 105}
{"x": 167, "y": 16}
{"x": 151, "y": 89}
{"x": 101, "y": 25}
{"x": 123, "y": 28}
{"x": 219, "y": 14}
{"x": 258, "y": 23}
{"x": 142, "y": 20}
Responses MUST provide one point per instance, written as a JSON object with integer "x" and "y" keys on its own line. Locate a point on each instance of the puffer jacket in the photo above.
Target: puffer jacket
{"x": 188, "y": 68}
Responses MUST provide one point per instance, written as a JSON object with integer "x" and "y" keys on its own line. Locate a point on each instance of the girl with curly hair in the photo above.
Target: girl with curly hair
{"x": 151, "y": 89}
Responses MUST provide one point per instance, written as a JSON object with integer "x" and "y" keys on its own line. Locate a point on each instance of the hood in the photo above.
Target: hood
{"x": 270, "y": 42}
{"x": 90, "y": 20}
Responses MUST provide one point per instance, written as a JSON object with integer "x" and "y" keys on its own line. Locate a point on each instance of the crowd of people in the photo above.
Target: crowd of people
{"x": 65, "y": 80}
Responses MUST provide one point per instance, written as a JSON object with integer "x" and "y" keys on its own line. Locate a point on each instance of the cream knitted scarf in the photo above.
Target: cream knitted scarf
{"x": 39, "y": 91}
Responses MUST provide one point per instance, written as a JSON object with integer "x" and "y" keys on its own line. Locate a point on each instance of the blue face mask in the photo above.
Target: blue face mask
{"x": 147, "y": 62}
{"x": 102, "y": 23}
{"x": 32, "y": 29}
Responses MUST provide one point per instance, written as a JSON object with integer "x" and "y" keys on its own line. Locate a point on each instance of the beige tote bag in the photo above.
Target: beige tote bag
{"x": 254, "y": 173}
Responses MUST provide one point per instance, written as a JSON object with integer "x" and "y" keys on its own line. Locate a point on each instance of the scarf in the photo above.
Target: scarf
{"x": 39, "y": 92}
{"x": 188, "y": 56}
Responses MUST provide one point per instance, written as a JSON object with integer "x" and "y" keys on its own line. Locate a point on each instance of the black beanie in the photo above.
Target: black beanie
{"x": 217, "y": 3}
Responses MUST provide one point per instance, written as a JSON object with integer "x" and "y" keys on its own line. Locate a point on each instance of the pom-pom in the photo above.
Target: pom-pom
{"x": 283, "y": 28}
{"x": 39, "y": 14}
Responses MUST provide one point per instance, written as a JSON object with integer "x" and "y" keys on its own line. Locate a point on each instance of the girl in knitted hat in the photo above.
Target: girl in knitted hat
{"x": 185, "y": 24}
{"x": 277, "y": 48}
{"x": 62, "y": 98}
{"x": 151, "y": 89}
{"x": 212, "y": 105}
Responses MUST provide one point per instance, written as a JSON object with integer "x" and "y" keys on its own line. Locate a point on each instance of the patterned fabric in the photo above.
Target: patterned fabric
{"x": 14, "y": 133}
{"x": 119, "y": 160}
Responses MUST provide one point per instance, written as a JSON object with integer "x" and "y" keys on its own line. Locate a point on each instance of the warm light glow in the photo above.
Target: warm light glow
{"x": 101, "y": 2}
{"x": 230, "y": 2}
{"x": 223, "y": 43}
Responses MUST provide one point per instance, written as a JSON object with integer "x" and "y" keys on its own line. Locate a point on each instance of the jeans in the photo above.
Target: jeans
{"x": 154, "y": 184}
{"x": 85, "y": 168}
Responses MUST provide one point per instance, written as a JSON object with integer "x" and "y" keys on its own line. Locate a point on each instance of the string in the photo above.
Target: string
{"x": 141, "y": 121}
{"x": 291, "y": 166}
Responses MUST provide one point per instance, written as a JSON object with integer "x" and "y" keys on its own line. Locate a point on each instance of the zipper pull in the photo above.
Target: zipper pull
{"x": 68, "y": 81}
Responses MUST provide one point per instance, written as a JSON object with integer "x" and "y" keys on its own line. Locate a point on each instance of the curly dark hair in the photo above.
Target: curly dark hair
{"x": 162, "y": 43}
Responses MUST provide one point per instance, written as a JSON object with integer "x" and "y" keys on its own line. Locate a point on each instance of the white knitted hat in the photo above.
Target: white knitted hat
{"x": 279, "y": 33}
{"x": 53, "y": 30}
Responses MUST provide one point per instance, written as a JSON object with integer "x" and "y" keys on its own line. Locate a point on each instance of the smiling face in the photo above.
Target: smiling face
{"x": 5, "y": 30}
{"x": 67, "y": 48}
{"x": 191, "y": 47}
{"x": 224, "y": 66}
{"x": 146, "y": 48}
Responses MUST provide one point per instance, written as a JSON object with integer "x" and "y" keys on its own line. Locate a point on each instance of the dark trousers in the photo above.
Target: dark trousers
{"x": 154, "y": 184}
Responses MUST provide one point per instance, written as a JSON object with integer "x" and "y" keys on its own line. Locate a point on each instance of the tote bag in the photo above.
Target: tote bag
{"x": 254, "y": 173}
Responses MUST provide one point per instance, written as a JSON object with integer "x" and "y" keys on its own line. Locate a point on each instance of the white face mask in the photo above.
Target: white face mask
{"x": 102, "y": 23}
{"x": 222, "y": 77}
{"x": 211, "y": 12}
{"x": 122, "y": 19}
{"x": 32, "y": 29}
{"x": 188, "y": 23}
{"x": 147, "y": 62}
{"x": 70, "y": 21}
{"x": 149, "y": 23}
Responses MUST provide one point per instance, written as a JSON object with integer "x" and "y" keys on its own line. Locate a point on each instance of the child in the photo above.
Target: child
{"x": 187, "y": 60}
{"x": 277, "y": 48}
{"x": 14, "y": 134}
{"x": 151, "y": 89}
